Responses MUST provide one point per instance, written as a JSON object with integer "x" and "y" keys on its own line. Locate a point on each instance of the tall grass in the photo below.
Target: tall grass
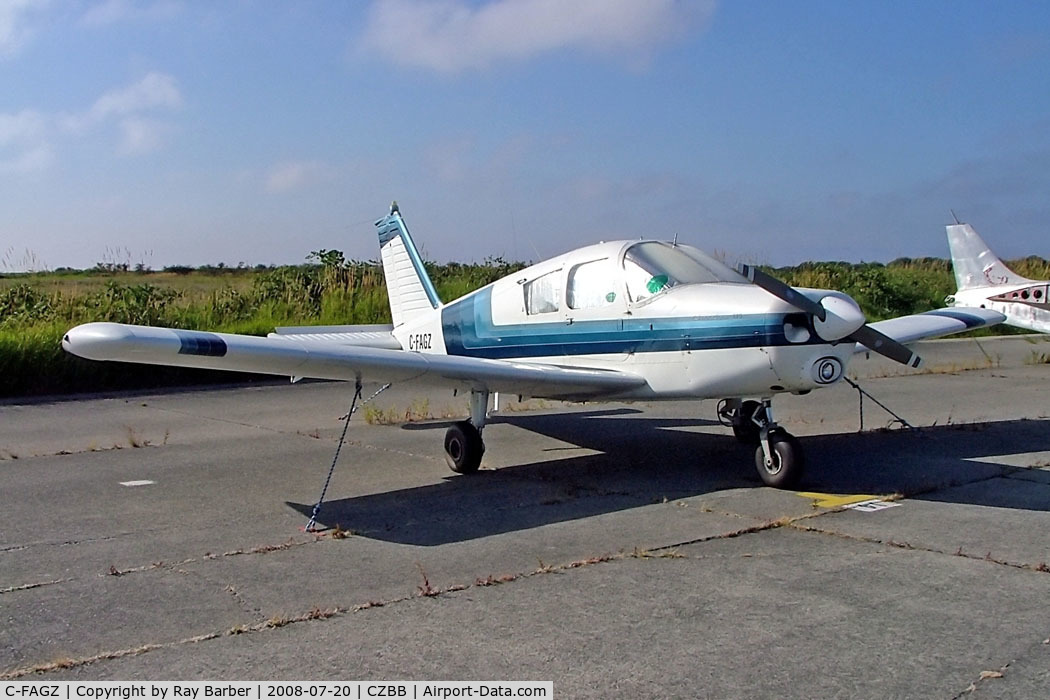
{"x": 37, "y": 309}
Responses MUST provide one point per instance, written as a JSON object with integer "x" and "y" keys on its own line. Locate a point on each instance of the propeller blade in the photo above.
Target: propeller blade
{"x": 782, "y": 291}
{"x": 885, "y": 345}
{"x": 865, "y": 335}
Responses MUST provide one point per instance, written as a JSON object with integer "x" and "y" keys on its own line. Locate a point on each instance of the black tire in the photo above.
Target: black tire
{"x": 744, "y": 428}
{"x": 788, "y": 461}
{"x": 463, "y": 448}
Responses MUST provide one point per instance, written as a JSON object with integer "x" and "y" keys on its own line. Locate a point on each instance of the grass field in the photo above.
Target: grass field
{"x": 37, "y": 308}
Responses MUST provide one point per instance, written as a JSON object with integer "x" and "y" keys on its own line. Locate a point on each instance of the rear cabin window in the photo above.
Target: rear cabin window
{"x": 543, "y": 294}
{"x": 592, "y": 285}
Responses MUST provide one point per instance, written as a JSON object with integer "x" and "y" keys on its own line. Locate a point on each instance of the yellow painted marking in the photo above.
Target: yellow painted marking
{"x": 832, "y": 500}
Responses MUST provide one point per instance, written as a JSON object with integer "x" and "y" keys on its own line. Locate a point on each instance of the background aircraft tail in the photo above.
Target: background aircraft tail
{"x": 409, "y": 287}
{"x": 974, "y": 263}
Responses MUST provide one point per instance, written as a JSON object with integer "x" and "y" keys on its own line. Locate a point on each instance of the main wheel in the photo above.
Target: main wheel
{"x": 786, "y": 464}
{"x": 744, "y": 427}
{"x": 463, "y": 448}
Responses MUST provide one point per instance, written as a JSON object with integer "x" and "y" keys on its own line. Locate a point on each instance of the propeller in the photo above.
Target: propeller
{"x": 834, "y": 318}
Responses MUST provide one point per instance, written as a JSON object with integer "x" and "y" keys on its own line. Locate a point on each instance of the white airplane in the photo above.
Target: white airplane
{"x": 625, "y": 320}
{"x": 984, "y": 281}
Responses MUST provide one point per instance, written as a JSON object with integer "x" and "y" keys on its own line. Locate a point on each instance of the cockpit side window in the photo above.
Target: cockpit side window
{"x": 592, "y": 285}
{"x": 643, "y": 281}
{"x": 543, "y": 294}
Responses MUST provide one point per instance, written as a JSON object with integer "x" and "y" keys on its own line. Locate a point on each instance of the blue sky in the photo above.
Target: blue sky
{"x": 171, "y": 132}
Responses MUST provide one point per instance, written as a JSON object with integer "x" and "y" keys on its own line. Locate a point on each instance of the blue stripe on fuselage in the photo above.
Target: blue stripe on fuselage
{"x": 469, "y": 330}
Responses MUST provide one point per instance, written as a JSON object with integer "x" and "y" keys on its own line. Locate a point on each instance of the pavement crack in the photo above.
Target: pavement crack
{"x": 316, "y": 613}
{"x": 983, "y": 677}
{"x": 209, "y": 556}
{"x": 227, "y": 421}
{"x": 1041, "y": 567}
{"x": 75, "y": 542}
{"x": 30, "y": 586}
{"x": 228, "y": 588}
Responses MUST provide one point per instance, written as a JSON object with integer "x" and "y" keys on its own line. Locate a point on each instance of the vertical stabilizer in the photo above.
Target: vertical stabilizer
{"x": 408, "y": 286}
{"x": 974, "y": 263}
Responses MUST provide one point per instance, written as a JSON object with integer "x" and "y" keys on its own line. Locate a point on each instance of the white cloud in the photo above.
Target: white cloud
{"x": 24, "y": 145}
{"x": 29, "y": 139}
{"x": 450, "y": 36}
{"x": 23, "y": 126}
{"x": 127, "y": 108}
{"x": 35, "y": 159}
{"x": 140, "y": 135}
{"x": 286, "y": 177}
{"x": 156, "y": 90}
{"x": 14, "y": 23}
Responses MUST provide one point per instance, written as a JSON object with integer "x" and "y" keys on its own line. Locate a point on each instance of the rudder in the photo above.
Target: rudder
{"x": 974, "y": 262}
{"x": 408, "y": 286}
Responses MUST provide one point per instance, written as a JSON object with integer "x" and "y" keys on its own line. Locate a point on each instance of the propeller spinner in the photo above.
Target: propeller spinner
{"x": 834, "y": 318}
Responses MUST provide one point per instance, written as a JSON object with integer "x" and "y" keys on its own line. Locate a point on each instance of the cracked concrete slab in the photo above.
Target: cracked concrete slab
{"x": 795, "y": 623}
{"x": 616, "y": 549}
{"x": 1004, "y": 519}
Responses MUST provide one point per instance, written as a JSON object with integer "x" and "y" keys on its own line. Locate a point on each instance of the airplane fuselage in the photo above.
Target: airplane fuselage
{"x": 681, "y": 340}
{"x": 1025, "y": 306}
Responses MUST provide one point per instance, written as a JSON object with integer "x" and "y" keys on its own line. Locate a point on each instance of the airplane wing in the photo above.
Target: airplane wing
{"x": 299, "y": 355}
{"x": 933, "y": 324}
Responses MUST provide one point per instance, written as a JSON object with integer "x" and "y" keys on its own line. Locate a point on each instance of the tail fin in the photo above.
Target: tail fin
{"x": 974, "y": 262}
{"x": 408, "y": 286}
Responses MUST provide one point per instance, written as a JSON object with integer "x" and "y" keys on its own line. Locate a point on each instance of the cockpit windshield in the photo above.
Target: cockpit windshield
{"x": 651, "y": 267}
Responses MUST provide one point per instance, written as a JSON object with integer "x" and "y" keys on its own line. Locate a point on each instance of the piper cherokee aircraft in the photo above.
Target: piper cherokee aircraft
{"x": 984, "y": 281}
{"x": 624, "y": 320}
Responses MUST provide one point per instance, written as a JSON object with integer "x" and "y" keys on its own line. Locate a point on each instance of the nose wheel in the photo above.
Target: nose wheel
{"x": 780, "y": 459}
{"x": 778, "y": 454}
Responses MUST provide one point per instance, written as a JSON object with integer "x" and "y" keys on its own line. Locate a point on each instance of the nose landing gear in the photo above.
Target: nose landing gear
{"x": 778, "y": 453}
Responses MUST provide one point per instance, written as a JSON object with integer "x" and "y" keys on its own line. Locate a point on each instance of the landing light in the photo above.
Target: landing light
{"x": 827, "y": 370}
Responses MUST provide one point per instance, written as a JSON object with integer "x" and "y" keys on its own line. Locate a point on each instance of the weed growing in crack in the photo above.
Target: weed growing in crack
{"x": 338, "y": 533}
{"x": 134, "y": 440}
{"x": 425, "y": 590}
{"x": 277, "y": 621}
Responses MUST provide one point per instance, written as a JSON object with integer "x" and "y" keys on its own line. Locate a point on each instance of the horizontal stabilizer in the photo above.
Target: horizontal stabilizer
{"x": 301, "y": 356}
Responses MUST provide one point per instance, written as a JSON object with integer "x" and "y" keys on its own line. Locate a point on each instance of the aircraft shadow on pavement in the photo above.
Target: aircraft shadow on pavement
{"x": 644, "y": 460}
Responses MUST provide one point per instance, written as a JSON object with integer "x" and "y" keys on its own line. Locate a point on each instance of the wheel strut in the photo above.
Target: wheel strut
{"x": 779, "y": 455}
{"x": 463, "y": 444}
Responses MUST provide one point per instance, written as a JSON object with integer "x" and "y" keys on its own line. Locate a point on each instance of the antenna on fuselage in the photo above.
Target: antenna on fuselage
{"x": 674, "y": 243}
{"x": 952, "y": 211}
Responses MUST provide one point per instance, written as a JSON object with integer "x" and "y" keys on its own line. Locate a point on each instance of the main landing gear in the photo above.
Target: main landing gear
{"x": 463, "y": 444}
{"x": 778, "y": 454}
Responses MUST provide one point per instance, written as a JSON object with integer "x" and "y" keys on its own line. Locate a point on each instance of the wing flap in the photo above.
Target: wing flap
{"x": 303, "y": 356}
{"x": 934, "y": 324}
{"x": 373, "y": 336}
